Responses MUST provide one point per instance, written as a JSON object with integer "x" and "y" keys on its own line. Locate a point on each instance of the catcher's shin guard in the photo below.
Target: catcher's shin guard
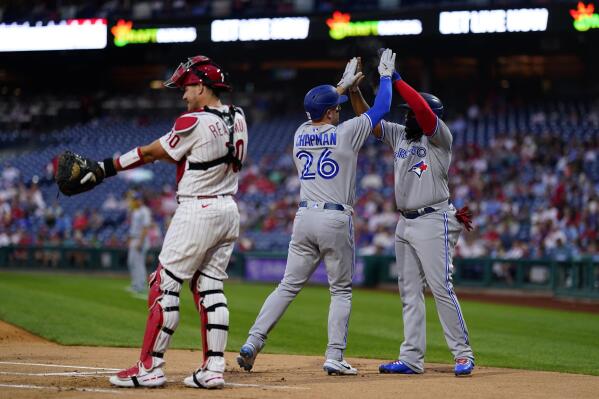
{"x": 163, "y": 302}
{"x": 212, "y": 304}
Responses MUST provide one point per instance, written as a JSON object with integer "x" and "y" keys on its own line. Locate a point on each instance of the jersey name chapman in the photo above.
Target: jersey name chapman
{"x": 328, "y": 138}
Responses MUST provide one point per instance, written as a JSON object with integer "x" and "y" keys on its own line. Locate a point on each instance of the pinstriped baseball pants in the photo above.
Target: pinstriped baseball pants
{"x": 201, "y": 236}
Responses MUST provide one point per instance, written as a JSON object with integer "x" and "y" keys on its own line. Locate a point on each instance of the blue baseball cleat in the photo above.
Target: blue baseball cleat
{"x": 396, "y": 367}
{"x": 247, "y": 356}
{"x": 463, "y": 367}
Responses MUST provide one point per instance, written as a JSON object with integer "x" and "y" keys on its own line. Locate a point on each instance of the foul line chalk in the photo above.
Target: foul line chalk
{"x": 60, "y": 365}
{"x": 232, "y": 384}
{"x": 55, "y": 388}
{"x": 65, "y": 374}
{"x": 105, "y": 370}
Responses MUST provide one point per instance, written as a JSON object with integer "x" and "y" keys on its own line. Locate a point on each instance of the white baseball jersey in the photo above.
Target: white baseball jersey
{"x": 202, "y": 137}
{"x": 140, "y": 218}
{"x": 203, "y": 232}
{"x": 421, "y": 167}
{"x": 326, "y": 156}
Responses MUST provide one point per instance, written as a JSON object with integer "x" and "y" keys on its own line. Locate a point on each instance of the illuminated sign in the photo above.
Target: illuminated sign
{"x": 584, "y": 17}
{"x": 70, "y": 34}
{"x": 340, "y": 27}
{"x": 230, "y": 30}
{"x": 493, "y": 21}
{"x": 125, "y": 34}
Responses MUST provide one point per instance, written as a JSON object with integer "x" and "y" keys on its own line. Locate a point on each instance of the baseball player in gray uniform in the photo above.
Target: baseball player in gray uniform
{"x": 428, "y": 228}
{"x": 325, "y": 154}
{"x": 140, "y": 221}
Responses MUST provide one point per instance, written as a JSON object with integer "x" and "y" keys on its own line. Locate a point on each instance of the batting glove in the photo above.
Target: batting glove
{"x": 387, "y": 63}
{"x": 395, "y": 75}
{"x": 350, "y": 76}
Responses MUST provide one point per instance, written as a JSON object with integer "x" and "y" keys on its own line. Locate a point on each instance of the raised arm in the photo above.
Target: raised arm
{"x": 359, "y": 104}
{"x": 382, "y": 102}
{"x": 351, "y": 76}
{"x": 425, "y": 116}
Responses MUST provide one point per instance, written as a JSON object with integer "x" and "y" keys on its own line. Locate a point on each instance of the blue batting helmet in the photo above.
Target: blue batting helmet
{"x": 433, "y": 102}
{"x": 321, "y": 98}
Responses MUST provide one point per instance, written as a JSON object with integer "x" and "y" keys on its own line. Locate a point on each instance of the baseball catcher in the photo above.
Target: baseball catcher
{"x": 208, "y": 144}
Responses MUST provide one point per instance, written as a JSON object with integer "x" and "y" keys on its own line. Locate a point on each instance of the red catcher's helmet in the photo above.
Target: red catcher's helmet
{"x": 198, "y": 69}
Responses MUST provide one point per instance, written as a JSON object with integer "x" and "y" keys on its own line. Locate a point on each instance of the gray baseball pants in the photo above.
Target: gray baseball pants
{"x": 424, "y": 249}
{"x": 136, "y": 261}
{"x": 317, "y": 234}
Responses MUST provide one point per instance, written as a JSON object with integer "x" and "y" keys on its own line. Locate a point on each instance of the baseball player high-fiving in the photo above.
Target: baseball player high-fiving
{"x": 208, "y": 144}
{"x": 325, "y": 155}
{"x": 428, "y": 228}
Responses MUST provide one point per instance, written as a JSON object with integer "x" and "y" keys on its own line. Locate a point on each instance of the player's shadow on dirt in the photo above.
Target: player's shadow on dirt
{"x": 476, "y": 373}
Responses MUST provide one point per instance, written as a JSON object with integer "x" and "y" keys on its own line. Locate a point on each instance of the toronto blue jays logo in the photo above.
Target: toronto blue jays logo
{"x": 419, "y": 168}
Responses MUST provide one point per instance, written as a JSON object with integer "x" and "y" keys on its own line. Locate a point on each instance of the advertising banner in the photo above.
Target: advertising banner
{"x": 70, "y": 34}
{"x": 272, "y": 270}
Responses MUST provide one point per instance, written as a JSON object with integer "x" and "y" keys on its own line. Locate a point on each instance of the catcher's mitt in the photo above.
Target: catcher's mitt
{"x": 76, "y": 174}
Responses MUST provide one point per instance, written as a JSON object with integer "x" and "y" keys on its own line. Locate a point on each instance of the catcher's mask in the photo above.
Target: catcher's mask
{"x": 199, "y": 69}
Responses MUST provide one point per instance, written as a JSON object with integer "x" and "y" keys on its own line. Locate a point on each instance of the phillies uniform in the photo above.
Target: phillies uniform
{"x": 198, "y": 243}
{"x": 425, "y": 238}
{"x": 206, "y": 223}
{"x": 209, "y": 146}
{"x": 203, "y": 231}
{"x": 136, "y": 256}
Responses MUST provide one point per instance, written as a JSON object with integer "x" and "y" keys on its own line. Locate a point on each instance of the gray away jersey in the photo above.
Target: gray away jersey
{"x": 421, "y": 167}
{"x": 325, "y": 157}
{"x": 140, "y": 218}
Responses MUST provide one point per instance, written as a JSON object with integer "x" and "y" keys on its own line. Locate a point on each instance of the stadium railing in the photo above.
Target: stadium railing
{"x": 570, "y": 278}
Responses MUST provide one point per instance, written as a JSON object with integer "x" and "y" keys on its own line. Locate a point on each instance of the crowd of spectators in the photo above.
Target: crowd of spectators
{"x": 27, "y": 218}
{"x": 533, "y": 196}
{"x": 23, "y": 115}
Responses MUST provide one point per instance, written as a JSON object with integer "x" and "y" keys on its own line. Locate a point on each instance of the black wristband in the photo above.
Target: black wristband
{"x": 109, "y": 169}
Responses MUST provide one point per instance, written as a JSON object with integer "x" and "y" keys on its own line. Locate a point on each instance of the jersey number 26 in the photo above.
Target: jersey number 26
{"x": 326, "y": 167}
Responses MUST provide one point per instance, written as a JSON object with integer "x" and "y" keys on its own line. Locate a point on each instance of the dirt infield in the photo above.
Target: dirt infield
{"x": 31, "y": 367}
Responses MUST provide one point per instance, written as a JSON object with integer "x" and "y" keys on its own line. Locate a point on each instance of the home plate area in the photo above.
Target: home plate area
{"x": 31, "y": 367}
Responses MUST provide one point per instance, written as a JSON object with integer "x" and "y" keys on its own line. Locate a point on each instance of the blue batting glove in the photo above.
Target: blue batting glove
{"x": 395, "y": 76}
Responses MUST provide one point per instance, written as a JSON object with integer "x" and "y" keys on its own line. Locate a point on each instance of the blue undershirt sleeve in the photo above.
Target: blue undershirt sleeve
{"x": 382, "y": 102}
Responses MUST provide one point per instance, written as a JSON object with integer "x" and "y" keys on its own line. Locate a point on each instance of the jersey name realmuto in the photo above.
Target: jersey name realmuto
{"x": 203, "y": 137}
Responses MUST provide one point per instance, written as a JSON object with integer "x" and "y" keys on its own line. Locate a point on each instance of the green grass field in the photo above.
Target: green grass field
{"x": 96, "y": 310}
